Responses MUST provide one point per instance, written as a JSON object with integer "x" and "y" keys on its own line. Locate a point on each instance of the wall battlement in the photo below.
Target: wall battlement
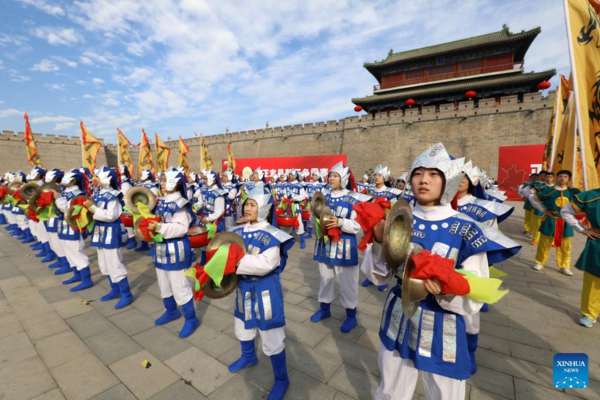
{"x": 393, "y": 138}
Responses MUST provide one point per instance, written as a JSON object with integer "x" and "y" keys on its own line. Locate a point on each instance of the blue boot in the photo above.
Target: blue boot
{"x": 131, "y": 243}
{"x": 485, "y": 308}
{"x": 248, "y": 358}
{"x": 324, "y": 312}
{"x": 2, "y": 219}
{"x": 64, "y": 269}
{"x": 36, "y": 245}
{"x": 23, "y": 234}
{"x": 126, "y": 296}
{"x": 11, "y": 227}
{"x": 472, "y": 347}
{"x": 50, "y": 255}
{"x": 143, "y": 247}
{"x": 58, "y": 263}
{"x": 281, "y": 376}
{"x": 309, "y": 230}
{"x": 152, "y": 250}
{"x": 114, "y": 293}
{"x": 75, "y": 278}
{"x": 17, "y": 232}
{"x": 43, "y": 252}
{"x": 191, "y": 321}
{"x": 302, "y": 242}
{"x": 28, "y": 237}
{"x": 367, "y": 283}
{"x": 382, "y": 288}
{"x": 350, "y": 322}
{"x": 86, "y": 280}
{"x": 171, "y": 312}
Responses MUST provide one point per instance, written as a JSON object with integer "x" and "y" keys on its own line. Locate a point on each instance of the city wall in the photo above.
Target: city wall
{"x": 392, "y": 139}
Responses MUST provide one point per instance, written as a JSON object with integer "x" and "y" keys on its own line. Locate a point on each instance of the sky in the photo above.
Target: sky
{"x": 201, "y": 66}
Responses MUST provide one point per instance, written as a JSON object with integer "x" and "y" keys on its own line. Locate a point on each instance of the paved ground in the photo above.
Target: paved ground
{"x": 53, "y": 347}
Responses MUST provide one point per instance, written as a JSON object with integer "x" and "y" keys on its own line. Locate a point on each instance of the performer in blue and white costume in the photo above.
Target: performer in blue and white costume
{"x": 340, "y": 260}
{"x": 315, "y": 185}
{"x": 294, "y": 190}
{"x": 212, "y": 201}
{"x": 147, "y": 181}
{"x": 487, "y": 212}
{"x": 259, "y": 297}
{"x": 7, "y": 208}
{"x": 381, "y": 188}
{"x": 53, "y": 223}
{"x": 126, "y": 184}
{"x": 435, "y": 340}
{"x": 75, "y": 184}
{"x": 230, "y": 187}
{"x": 38, "y": 229}
{"x": 174, "y": 254}
{"x": 23, "y": 231}
{"x": 109, "y": 236}
{"x": 193, "y": 187}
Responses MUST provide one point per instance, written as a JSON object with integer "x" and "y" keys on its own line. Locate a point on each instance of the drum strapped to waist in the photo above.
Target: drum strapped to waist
{"x": 286, "y": 220}
{"x": 198, "y": 236}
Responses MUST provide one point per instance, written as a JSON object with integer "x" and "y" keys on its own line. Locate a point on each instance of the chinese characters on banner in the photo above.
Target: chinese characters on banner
{"x": 276, "y": 166}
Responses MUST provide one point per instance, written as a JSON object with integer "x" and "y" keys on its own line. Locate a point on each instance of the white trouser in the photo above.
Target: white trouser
{"x": 228, "y": 222}
{"x": 74, "y": 253}
{"x": 22, "y": 221}
{"x": 399, "y": 379}
{"x": 347, "y": 278}
{"x": 32, "y": 228}
{"x": 56, "y": 244}
{"x": 272, "y": 339}
{"x": 110, "y": 262}
{"x": 40, "y": 230}
{"x": 130, "y": 232}
{"x": 174, "y": 283}
{"x": 300, "y": 230}
{"x": 472, "y": 323}
{"x": 10, "y": 217}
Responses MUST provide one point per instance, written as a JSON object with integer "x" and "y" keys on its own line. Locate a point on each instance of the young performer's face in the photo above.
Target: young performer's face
{"x": 282, "y": 178}
{"x": 550, "y": 179}
{"x": 292, "y": 177}
{"x": 379, "y": 179}
{"x": 427, "y": 184}
{"x": 563, "y": 179}
{"x": 224, "y": 179}
{"x": 335, "y": 181}
{"x": 315, "y": 178}
{"x": 163, "y": 183}
{"x": 251, "y": 210}
{"x": 464, "y": 185}
{"x": 400, "y": 185}
{"x": 542, "y": 178}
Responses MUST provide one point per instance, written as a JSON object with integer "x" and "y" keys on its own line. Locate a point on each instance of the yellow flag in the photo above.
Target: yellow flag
{"x": 565, "y": 149}
{"x": 182, "y": 156}
{"x": 558, "y": 112}
{"x": 205, "y": 160}
{"x": 32, "y": 153}
{"x": 145, "y": 160}
{"x": 583, "y": 32}
{"x": 90, "y": 146}
{"x": 162, "y": 154}
{"x": 230, "y": 159}
{"x": 123, "y": 156}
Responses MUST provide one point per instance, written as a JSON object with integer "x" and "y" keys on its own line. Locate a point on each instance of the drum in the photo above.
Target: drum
{"x": 279, "y": 211}
{"x": 305, "y": 215}
{"x": 198, "y": 237}
{"x": 127, "y": 220}
{"x": 286, "y": 220}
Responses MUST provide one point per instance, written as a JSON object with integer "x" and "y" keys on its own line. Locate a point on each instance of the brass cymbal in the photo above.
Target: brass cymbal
{"x": 397, "y": 235}
{"x": 139, "y": 194}
{"x": 318, "y": 202}
{"x": 413, "y": 289}
{"x": 326, "y": 216}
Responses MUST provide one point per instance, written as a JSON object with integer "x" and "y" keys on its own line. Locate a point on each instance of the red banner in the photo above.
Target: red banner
{"x": 515, "y": 164}
{"x": 276, "y": 166}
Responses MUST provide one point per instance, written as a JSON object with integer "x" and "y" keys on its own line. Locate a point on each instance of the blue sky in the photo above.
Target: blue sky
{"x": 196, "y": 66}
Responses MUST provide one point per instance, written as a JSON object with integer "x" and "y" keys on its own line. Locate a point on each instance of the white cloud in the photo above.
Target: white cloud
{"x": 45, "y": 66}
{"x": 97, "y": 81}
{"x": 16, "y": 77}
{"x": 58, "y": 35}
{"x": 65, "y": 61}
{"x": 56, "y": 87}
{"x": 86, "y": 60}
{"x": 45, "y": 6}
{"x": 88, "y": 96}
{"x": 10, "y": 112}
{"x": 1, "y": 101}
{"x": 59, "y": 118}
{"x": 64, "y": 126}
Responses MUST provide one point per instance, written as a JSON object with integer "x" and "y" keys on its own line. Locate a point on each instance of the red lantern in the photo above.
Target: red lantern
{"x": 358, "y": 108}
{"x": 544, "y": 85}
{"x": 470, "y": 94}
{"x": 410, "y": 102}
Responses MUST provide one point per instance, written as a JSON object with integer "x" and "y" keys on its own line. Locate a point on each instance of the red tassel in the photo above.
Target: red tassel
{"x": 558, "y": 232}
{"x": 353, "y": 185}
{"x": 430, "y": 266}
{"x": 454, "y": 203}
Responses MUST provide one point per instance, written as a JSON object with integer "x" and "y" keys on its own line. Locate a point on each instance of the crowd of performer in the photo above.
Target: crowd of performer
{"x": 177, "y": 219}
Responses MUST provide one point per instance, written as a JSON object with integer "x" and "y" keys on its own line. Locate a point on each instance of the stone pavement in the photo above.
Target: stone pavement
{"x": 53, "y": 347}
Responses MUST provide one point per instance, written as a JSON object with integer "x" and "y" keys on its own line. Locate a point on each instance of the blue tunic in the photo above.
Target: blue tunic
{"x": 259, "y": 299}
{"x": 229, "y": 209}
{"x": 436, "y": 339}
{"x": 388, "y": 193}
{"x": 173, "y": 254}
{"x": 65, "y": 232}
{"x": 345, "y": 252}
{"x": 311, "y": 188}
{"x": 485, "y": 210}
{"x": 108, "y": 235}
{"x": 209, "y": 198}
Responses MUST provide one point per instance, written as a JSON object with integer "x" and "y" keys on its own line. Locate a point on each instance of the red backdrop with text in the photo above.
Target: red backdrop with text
{"x": 515, "y": 164}
{"x": 282, "y": 165}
